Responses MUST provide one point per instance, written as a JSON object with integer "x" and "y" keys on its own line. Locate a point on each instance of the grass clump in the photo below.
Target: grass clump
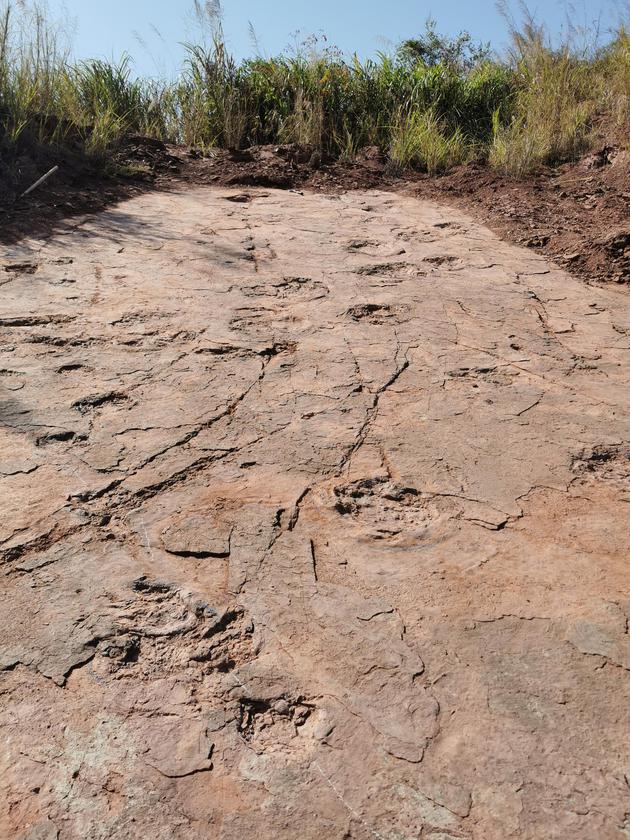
{"x": 552, "y": 108}
{"x": 563, "y": 97}
{"x": 612, "y": 72}
{"x": 420, "y": 141}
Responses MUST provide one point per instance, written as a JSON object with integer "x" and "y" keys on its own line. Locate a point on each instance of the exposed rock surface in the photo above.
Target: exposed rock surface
{"x": 314, "y": 524}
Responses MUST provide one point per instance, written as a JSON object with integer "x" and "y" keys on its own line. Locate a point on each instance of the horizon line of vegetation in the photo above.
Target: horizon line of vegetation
{"x": 434, "y": 103}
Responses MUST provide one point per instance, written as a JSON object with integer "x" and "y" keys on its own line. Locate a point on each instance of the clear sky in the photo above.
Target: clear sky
{"x": 107, "y": 28}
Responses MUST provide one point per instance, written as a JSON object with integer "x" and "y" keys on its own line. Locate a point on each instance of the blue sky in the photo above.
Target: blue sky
{"x": 106, "y": 29}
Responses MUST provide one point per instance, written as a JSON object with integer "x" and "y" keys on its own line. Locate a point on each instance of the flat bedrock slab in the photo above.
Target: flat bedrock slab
{"x": 314, "y": 523}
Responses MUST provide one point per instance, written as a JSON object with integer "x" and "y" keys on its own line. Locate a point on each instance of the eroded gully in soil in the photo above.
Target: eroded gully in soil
{"x": 314, "y": 523}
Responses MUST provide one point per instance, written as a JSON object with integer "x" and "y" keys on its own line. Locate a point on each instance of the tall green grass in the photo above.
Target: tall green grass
{"x": 560, "y": 94}
{"x": 434, "y": 103}
{"x": 420, "y": 141}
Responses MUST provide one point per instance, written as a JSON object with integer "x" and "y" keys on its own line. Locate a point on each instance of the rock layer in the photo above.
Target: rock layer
{"x": 314, "y": 523}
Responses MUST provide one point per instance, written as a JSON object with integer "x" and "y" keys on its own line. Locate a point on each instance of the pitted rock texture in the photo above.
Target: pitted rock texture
{"x": 314, "y": 524}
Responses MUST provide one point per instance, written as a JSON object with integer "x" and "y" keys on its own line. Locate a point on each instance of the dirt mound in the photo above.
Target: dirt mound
{"x": 77, "y": 188}
{"x": 147, "y": 156}
{"x": 291, "y": 166}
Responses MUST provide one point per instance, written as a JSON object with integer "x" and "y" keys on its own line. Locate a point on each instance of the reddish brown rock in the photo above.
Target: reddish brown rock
{"x": 314, "y": 523}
